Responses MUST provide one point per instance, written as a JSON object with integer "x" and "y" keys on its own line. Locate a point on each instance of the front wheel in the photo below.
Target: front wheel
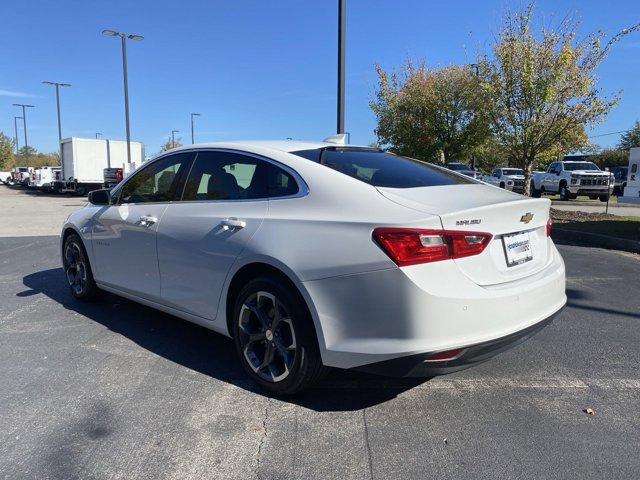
{"x": 77, "y": 269}
{"x": 564, "y": 192}
{"x": 604, "y": 197}
{"x": 274, "y": 337}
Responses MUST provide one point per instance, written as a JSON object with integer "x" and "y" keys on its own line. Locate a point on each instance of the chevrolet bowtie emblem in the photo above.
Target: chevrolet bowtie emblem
{"x": 527, "y": 217}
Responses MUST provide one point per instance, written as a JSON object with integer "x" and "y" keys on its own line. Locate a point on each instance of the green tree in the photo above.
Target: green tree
{"x": 6, "y": 152}
{"x": 27, "y": 151}
{"x": 611, "y": 157}
{"x": 631, "y": 138}
{"x": 540, "y": 89}
{"x": 428, "y": 114}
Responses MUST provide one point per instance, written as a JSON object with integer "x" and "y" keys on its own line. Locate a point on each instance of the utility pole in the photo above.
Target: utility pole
{"x": 342, "y": 31}
{"x": 24, "y": 120}
{"x": 15, "y": 126}
{"x": 124, "y": 37}
{"x": 173, "y": 138}
{"x": 58, "y": 85}
{"x": 192, "y": 136}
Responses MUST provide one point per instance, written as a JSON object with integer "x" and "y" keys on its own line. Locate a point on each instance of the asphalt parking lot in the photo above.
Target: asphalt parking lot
{"x": 113, "y": 389}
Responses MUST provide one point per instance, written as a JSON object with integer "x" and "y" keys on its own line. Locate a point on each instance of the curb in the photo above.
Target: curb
{"x": 595, "y": 240}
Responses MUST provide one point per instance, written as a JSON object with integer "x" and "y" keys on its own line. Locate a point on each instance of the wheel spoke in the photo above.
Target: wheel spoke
{"x": 268, "y": 357}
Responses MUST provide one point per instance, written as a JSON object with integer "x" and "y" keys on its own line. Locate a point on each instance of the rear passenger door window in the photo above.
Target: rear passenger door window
{"x": 220, "y": 175}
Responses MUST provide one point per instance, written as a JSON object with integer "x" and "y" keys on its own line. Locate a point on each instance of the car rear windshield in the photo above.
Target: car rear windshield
{"x": 580, "y": 166}
{"x": 382, "y": 169}
{"x": 512, "y": 171}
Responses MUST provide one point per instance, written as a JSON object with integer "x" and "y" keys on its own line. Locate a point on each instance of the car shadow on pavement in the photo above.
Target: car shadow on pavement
{"x": 207, "y": 352}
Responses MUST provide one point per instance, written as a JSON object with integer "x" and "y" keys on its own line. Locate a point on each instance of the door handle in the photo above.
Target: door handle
{"x": 147, "y": 220}
{"x": 233, "y": 223}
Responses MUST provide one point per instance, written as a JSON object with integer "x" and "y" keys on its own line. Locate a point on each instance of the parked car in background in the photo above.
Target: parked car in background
{"x": 4, "y": 177}
{"x": 620, "y": 179}
{"x": 20, "y": 176}
{"x": 507, "y": 178}
{"x": 44, "y": 177}
{"x": 464, "y": 169}
{"x": 573, "y": 178}
{"x": 317, "y": 254}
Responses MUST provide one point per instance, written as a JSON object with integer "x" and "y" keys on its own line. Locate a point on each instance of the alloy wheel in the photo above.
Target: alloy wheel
{"x": 75, "y": 268}
{"x": 267, "y": 337}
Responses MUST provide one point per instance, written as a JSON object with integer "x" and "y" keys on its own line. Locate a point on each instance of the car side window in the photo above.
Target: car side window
{"x": 159, "y": 182}
{"x": 233, "y": 176}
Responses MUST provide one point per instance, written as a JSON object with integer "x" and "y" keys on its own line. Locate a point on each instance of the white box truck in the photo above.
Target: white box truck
{"x": 84, "y": 161}
{"x": 632, "y": 189}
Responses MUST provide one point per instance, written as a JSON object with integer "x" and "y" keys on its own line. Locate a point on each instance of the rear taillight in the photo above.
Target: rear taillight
{"x": 119, "y": 174}
{"x": 409, "y": 246}
{"x": 549, "y": 224}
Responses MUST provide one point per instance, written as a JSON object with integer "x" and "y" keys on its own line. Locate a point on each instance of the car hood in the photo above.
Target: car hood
{"x": 590, "y": 172}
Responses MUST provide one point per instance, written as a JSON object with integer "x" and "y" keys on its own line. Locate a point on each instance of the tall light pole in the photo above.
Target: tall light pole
{"x": 58, "y": 85}
{"x": 173, "y": 138}
{"x": 342, "y": 31}
{"x": 98, "y": 134}
{"x": 192, "y": 137}
{"x": 124, "y": 37}
{"x": 24, "y": 120}
{"x": 15, "y": 125}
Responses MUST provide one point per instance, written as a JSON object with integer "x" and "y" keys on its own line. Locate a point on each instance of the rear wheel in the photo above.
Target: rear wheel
{"x": 604, "y": 198}
{"x": 274, "y": 337}
{"x": 501, "y": 184}
{"x": 535, "y": 193}
{"x": 77, "y": 269}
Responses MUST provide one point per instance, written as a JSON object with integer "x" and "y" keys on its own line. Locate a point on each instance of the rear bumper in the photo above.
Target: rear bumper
{"x": 364, "y": 321}
{"x": 420, "y": 366}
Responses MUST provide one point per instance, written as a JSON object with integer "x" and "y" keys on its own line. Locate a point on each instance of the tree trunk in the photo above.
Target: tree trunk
{"x": 528, "y": 168}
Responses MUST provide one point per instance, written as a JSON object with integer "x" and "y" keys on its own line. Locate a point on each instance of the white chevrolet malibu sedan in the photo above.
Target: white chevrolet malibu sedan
{"x": 314, "y": 254}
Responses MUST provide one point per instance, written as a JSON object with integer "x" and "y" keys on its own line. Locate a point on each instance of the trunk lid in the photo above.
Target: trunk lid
{"x": 483, "y": 208}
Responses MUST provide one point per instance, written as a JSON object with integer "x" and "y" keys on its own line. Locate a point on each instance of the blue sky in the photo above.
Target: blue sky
{"x": 254, "y": 69}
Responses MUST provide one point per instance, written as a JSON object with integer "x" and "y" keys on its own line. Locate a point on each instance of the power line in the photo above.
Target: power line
{"x": 611, "y": 133}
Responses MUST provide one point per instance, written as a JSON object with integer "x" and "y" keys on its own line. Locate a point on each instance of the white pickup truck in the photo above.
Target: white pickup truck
{"x": 573, "y": 178}
{"x": 507, "y": 178}
{"x": 43, "y": 177}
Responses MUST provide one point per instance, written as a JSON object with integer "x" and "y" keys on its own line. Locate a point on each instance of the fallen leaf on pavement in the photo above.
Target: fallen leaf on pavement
{"x": 589, "y": 411}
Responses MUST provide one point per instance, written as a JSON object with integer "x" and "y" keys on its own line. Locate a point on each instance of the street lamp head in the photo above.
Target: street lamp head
{"x": 135, "y": 37}
{"x": 57, "y": 83}
{"x": 22, "y": 105}
{"x": 195, "y": 114}
{"x": 110, "y": 33}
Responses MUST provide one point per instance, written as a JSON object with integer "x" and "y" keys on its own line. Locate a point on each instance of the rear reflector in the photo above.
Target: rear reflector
{"x": 410, "y": 246}
{"x": 549, "y": 224}
{"x": 446, "y": 355}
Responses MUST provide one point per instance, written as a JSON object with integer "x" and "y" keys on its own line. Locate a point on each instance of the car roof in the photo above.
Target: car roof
{"x": 280, "y": 145}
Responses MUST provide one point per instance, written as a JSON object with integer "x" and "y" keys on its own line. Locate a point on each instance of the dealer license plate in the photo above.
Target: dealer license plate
{"x": 517, "y": 248}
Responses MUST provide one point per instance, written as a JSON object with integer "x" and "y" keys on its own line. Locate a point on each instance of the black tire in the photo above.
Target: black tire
{"x": 593, "y": 197}
{"x": 81, "y": 191}
{"x": 564, "y": 192}
{"x": 253, "y": 309}
{"x": 77, "y": 269}
{"x": 535, "y": 193}
{"x": 604, "y": 198}
{"x": 501, "y": 184}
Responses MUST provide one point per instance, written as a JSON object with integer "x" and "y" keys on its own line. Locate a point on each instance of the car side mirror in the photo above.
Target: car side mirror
{"x": 100, "y": 197}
